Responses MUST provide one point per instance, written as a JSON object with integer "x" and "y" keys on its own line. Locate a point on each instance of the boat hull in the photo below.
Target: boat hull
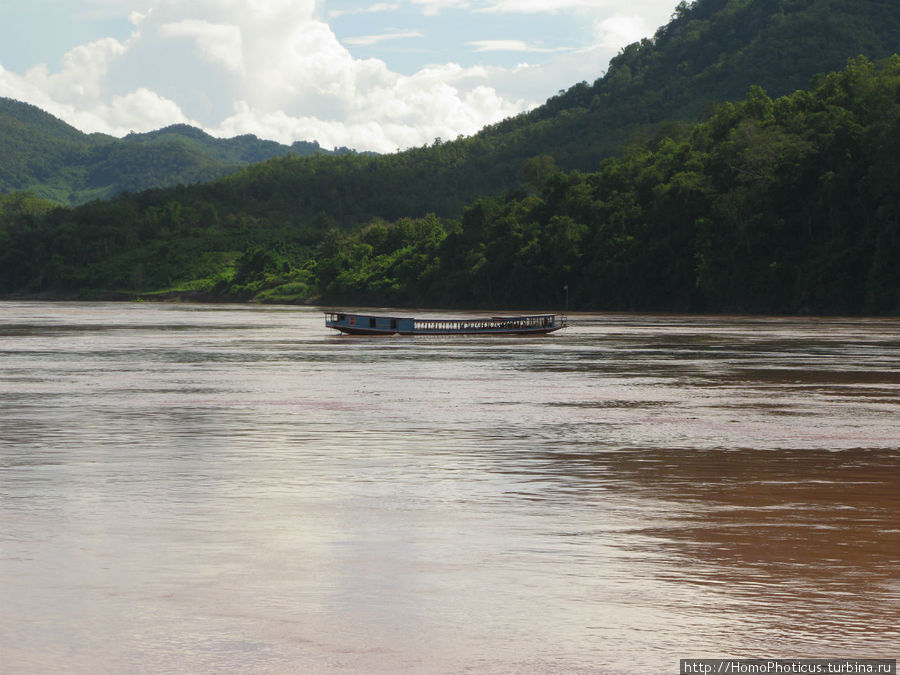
{"x": 372, "y": 325}
{"x": 364, "y": 331}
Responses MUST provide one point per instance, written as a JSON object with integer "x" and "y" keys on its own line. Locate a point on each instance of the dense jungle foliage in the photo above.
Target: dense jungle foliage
{"x": 784, "y": 205}
{"x": 712, "y": 51}
{"x": 772, "y": 206}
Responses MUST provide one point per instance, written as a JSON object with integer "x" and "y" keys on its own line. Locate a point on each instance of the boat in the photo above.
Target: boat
{"x": 370, "y": 324}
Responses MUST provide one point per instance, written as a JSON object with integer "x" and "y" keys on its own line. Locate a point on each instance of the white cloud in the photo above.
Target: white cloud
{"x": 17, "y": 87}
{"x": 394, "y": 112}
{"x": 618, "y": 31}
{"x": 267, "y": 67}
{"x": 274, "y": 68}
{"x": 368, "y": 40}
{"x": 371, "y": 9}
{"x": 431, "y": 7}
{"x": 135, "y": 17}
{"x": 140, "y": 109}
{"x": 509, "y": 46}
{"x": 541, "y": 6}
{"x": 215, "y": 41}
{"x": 83, "y": 71}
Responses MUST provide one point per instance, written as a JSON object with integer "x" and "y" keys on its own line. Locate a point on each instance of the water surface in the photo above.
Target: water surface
{"x": 190, "y": 488}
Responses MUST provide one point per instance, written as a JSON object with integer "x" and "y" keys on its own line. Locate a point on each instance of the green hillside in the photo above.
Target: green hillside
{"x": 783, "y": 202}
{"x": 789, "y": 205}
{"x": 237, "y": 151}
{"x": 37, "y": 150}
{"x": 712, "y": 51}
{"x": 57, "y": 162}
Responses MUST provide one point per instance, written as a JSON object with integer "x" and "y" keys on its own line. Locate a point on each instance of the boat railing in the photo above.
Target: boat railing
{"x": 359, "y": 323}
{"x": 492, "y": 323}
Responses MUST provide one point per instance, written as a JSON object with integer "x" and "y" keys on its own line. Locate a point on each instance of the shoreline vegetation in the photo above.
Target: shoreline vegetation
{"x": 778, "y": 201}
{"x": 786, "y": 206}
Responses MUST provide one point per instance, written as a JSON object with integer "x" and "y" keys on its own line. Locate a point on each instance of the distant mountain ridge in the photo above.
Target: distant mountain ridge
{"x": 711, "y": 51}
{"x": 56, "y": 161}
{"x": 244, "y": 149}
{"x": 741, "y": 198}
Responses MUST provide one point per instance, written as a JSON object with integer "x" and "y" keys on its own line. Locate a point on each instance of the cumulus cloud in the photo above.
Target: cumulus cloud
{"x": 267, "y": 67}
{"x": 276, "y": 69}
{"x": 617, "y": 31}
{"x": 393, "y": 112}
{"x": 83, "y": 72}
{"x": 140, "y": 109}
{"x": 509, "y": 46}
{"x": 215, "y": 41}
{"x": 368, "y": 40}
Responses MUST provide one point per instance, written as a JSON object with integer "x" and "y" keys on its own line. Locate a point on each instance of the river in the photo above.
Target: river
{"x": 227, "y": 488}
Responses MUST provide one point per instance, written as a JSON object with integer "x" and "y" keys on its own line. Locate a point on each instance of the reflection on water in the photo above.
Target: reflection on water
{"x": 191, "y": 488}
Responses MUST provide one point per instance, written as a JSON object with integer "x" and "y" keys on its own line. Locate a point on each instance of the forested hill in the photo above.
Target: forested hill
{"x": 773, "y": 204}
{"x": 789, "y": 205}
{"x": 55, "y": 161}
{"x": 769, "y": 206}
{"x": 711, "y": 51}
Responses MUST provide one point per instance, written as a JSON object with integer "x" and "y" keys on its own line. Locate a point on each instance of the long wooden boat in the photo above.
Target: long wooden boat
{"x": 369, "y": 324}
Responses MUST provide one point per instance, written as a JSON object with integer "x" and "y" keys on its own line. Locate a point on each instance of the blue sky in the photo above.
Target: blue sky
{"x": 368, "y": 74}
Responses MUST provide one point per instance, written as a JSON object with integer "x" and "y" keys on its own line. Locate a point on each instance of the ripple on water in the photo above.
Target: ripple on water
{"x": 191, "y": 488}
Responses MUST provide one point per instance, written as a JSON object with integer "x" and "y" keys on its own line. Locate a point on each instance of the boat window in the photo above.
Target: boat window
{"x": 372, "y": 322}
{"x": 393, "y": 324}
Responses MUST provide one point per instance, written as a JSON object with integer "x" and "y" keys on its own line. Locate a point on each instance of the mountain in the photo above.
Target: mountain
{"x": 642, "y": 190}
{"x": 240, "y": 150}
{"x": 712, "y": 51}
{"x": 57, "y": 162}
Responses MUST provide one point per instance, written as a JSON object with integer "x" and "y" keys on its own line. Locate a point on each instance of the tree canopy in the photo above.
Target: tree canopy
{"x": 710, "y": 52}
{"x": 787, "y": 204}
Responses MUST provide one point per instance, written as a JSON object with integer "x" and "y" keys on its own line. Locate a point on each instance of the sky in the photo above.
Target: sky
{"x": 378, "y": 75}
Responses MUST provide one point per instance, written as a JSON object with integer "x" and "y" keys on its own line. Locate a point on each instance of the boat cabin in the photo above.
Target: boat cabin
{"x": 368, "y": 324}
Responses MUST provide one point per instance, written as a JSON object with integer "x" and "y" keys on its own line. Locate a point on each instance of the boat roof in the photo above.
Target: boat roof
{"x": 394, "y": 316}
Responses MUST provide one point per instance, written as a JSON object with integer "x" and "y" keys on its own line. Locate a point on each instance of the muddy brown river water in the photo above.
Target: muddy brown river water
{"x": 188, "y": 488}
